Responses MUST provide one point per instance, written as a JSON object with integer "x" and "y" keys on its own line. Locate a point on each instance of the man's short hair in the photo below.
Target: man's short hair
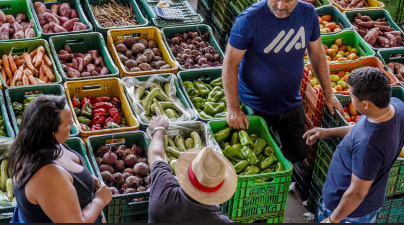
{"x": 370, "y": 83}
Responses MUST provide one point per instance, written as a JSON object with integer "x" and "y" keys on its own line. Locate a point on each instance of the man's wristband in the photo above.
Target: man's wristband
{"x": 156, "y": 129}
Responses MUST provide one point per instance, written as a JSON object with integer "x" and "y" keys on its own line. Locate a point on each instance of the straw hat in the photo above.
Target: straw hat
{"x": 206, "y": 176}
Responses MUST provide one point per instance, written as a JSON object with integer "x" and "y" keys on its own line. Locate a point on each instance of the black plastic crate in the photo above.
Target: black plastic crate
{"x": 302, "y": 175}
{"x": 205, "y": 11}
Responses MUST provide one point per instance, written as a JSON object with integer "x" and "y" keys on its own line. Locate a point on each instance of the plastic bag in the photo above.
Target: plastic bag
{"x": 5, "y": 143}
{"x": 131, "y": 83}
{"x": 309, "y": 216}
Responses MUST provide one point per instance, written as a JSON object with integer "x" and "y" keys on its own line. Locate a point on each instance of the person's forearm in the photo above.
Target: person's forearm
{"x": 350, "y": 202}
{"x": 339, "y": 132}
{"x": 156, "y": 147}
{"x": 230, "y": 84}
{"x": 320, "y": 67}
{"x": 92, "y": 210}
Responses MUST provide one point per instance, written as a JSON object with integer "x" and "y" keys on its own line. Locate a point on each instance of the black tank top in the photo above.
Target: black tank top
{"x": 34, "y": 214}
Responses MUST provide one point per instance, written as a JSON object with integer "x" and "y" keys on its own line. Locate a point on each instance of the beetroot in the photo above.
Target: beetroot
{"x": 133, "y": 181}
{"x": 129, "y": 151}
{"x": 125, "y": 175}
{"x": 106, "y": 168}
{"x": 140, "y": 189}
{"x": 120, "y": 165}
{"x": 139, "y": 150}
{"x": 118, "y": 178}
{"x": 130, "y": 160}
{"x": 99, "y": 161}
{"x": 106, "y": 176}
{"x": 109, "y": 158}
{"x": 121, "y": 154}
{"x": 141, "y": 169}
{"x": 128, "y": 170}
{"x": 114, "y": 190}
{"x": 102, "y": 150}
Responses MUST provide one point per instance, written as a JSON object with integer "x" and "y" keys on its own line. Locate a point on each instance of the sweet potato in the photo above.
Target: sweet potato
{"x": 392, "y": 38}
{"x": 85, "y": 74}
{"x": 87, "y": 59}
{"x": 55, "y": 9}
{"x": 94, "y": 54}
{"x": 45, "y": 28}
{"x": 104, "y": 71}
{"x": 75, "y": 64}
{"x": 102, "y": 63}
{"x": 371, "y": 36}
{"x": 64, "y": 10}
{"x": 384, "y": 42}
{"x": 39, "y": 7}
{"x": 73, "y": 14}
{"x": 391, "y": 66}
{"x": 67, "y": 49}
{"x": 3, "y": 19}
{"x": 42, "y": 20}
{"x": 384, "y": 28}
{"x": 5, "y": 31}
{"x": 20, "y": 18}
{"x": 399, "y": 41}
{"x": 10, "y": 19}
{"x": 368, "y": 24}
{"x": 95, "y": 73}
{"x": 81, "y": 63}
{"x": 90, "y": 68}
{"x": 62, "y": 20}
{"x": 79, "y": 26}
{"x": 49, "y": 17}
{"x": 57, "y": 28}
{"x": 18, "y": 31}
{"x": 70, "y": 24}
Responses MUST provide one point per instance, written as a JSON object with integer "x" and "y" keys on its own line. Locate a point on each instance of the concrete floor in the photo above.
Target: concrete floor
{"x": 295, "y": 208}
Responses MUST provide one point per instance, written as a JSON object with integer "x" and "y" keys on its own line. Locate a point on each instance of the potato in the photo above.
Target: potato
{"x": 135, "y": 69}
{"x": 138, "y": 48}
{"x": 152, "y": 44}
{"x": 149, "y": 55}
{"x": 123, "y": 58}
{"x": 129, "y": 42}
{"x": 145, "y": 67}
{"x": 128, "y": 53}
{"x": 165, "y": 67}
{"x": 121, "y": 48}
{"x": 160, "y": 64}
{"x": 130, "y": 64}
{"x": 141, "y": 59}
{"x": 156, "y": 52}
{"x": 118, "y": 42}
{"x": 153, "y": 64}
{"x": 158, "y": 58}
{"x": 144, "y": 42}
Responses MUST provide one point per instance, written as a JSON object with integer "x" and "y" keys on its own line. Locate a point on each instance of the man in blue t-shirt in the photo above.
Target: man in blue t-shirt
{"x": 270, "y": 39}
{"x": 357, "y": 178}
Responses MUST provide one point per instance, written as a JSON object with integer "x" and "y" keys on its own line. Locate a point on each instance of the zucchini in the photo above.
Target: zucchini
{"x": 173, "y": 164}
{"x": 9, "y": 188}
{"x": 146, "y": 103}
{"x": 165, "y": 141}
{"x": 3, "y": 174}
{"x": 161, "y": 96}
{"x": 189, "y": 143}
{"x": 157, "y": 104}
{"x": 168, "y": 159}
{"x": 166, "y": 105}
{"x": 139, "y": 92}
{"x": 180, "y": 142}
{"x": 171, "y": 114}
{"x": 197, "y": 139}
{"x": 173, "y": 152}
{"x": 171, "y": 143}
{"x": 167, "y": 88}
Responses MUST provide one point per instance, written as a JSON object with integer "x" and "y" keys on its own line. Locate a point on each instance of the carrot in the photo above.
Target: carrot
{"x": 41, "y": 74}
{"x": 34, "y": 60}
{"x": 7, "y": 67}
{"x": 3, "y": 74}
{"x": 19, "y": 83}
{"x": 47, "y": 60}
{"x": 39, "y": 81}
{"x": 46, "y": 79}
{"x": 33, "y": 53}
{"x": 19, "y": 62}
{"x": 8, "y": 83}
{"x": 39, "y": 55}
{"x": 13, "y": 67}
{"x": 48, "y": 73}
{"x": 19, "y": 73}
{"x": 28, "y": 60}
{"x": 13, "y": 81}
{"x": 25, "y": 80}
{"x": 32, "y": 80}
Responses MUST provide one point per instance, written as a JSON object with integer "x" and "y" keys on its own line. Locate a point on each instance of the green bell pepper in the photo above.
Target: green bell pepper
{"x": 260, "y": 159}
{"x": 267, "y": 171}
{"x": 254, "y": 137}
{"x": 259, "y": 146}
{"x": 202, "y": 89}
{"x": 111, "y": 125}
{"x": 86, "y": 110}
{"x": 251, "y": 170}
{"x": 223, "y": 145}
{"x": 279, "y": 167}
{"x": 17, "y": 107}
{"x": 212, "y": 108}
{"x": 234, "y": 138}
{"x": 242, "y": 174}
{"x": 28, "y": 100}
{"x": 208, "y": 86}
{"x": 271, "y": 160}
{"x": 216, "y": 94}
{"x": 19, "y": 119}
{"x": 84, "y": 120}
{"x": 269, "y": 151}
{"x": 204, "y": 115}
{"x": 217, "y": 82}
{"x": 249, "y": 155}
{"x": 77, "y": 111}
{"x": 245, "y": 139}
{"x": 222, "y": 99}
{"x": 188, "y": 85}
{"x": 223, "y": 134}
{"x": 198, "y": 102}
{"x": 192, "y": 92}
{"x": 220, "y": 115}
{"x": 232, "y": 154}
{"x": 2, "y": 133}
{"x": 240, "y": 166}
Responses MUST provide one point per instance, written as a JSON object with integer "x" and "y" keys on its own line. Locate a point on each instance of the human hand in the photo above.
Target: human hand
{"x": 96, "y": 183}
{"x": 104, "y": 194}
{"x": 331, "y": 101}
{"x": 237, "y": 119}
{"x": 314, "y": 134}
{"x": 324, "y": 220}
{"x": 158, "y": 121}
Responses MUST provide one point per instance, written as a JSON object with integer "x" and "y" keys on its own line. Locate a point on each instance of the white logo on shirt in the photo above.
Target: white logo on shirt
{"x": 300, "y": 34}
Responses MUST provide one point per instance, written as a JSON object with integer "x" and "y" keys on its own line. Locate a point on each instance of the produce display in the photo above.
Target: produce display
{"x": 338, "y": 52}
{"x": 3, "y": 130}
{"x": 327, "y": 26}
{"x": 77, "y": 65}
{"x": 59, "y": 19}
{"x": 208, "y": 99}
{"x": 30, "y": 68}
{"x": 192, "y": 50}
{"x": 350, "y": 114}
{"x": 349, "y": 4}
{"x": 16, "y": 28}
{"x": 338, "y": 81}
{"x": 249, "y": 154}
{"x": 142, "y": 55}
{"x": 397, "y": 69}
{"x": 98, "y": 113}
{"x": 175, "y": 147}
{"x": 123, "y": 169}
{"x": 379, "y": 33}
{"x": 7, "y": 198}
{"x": 114, "y": 15}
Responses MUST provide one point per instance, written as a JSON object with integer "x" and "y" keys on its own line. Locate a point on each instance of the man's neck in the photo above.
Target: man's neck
{"x": 381, "y": 115}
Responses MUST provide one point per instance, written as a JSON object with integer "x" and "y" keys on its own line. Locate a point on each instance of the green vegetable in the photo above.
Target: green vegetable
{"x": 269, "y": 151}
{"x": 86, "y": 110}
{"x": 77, "y": 111}
{"x": 212, "y": 108}
{"x": 111, "y": 125}
{"x": 204, "y": 115}
{"x": 162, "y": 95}
{"x": 17, "y": 107}
{"x": 251, "y": 170}
{"x": 271, "y": 160}
{"x": 215, "y": 94}
{"x": 254, "y": 137}
{"x": 139, "y": 92}
{"x": 189, "y": 143}
{"x": 220, "y": 115}
{"x": 232, "y": 154}
{"x": 84, "y": 120}
{"x": 199, "y": 102}
{"x": 261, "y": 158}
{"x": 2, "y": 133}
{"x": 28, "y": 100}
{"x": 188, "y": 85}
{"x": 202, "y": 88}
{"x": 197, "y": 139}
{"x": 157, "y": 104}
{"x": 171, "y": 114}
{"x": 267, "y": 171}
{"x": 245, "y": 139}
{"x": 193, "y": 92}
{"x": 19, "y": 119}
{"x": 279, "y": 167}
{"x": 240, "y": 166}
{"x": 223, "y": 134}
{"x": 259, "y": 146}
{"x": 180, "y": 143}
{"x": 217, "y": 82}
{"x": 234, "y": 138}
{"x": 173, "y": 164}
{"x": 249, "y": 155}
{"x": 222, "y": 99}
{"x": 171, "y": 142}
{"x": 146, "y": 103}
{"x": 223, "y": 145}
{"x": 167, "y": 88}
{"x": 237, "y": 147}
{"x": 173, "y": 152}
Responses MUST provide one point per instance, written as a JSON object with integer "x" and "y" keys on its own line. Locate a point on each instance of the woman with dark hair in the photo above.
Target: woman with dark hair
{"x": 52, "y": 182}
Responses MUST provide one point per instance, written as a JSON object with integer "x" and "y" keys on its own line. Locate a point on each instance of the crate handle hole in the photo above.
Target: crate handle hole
{"x": 92, "y": 87}
{"x": 17, "y": 51}
{"x": 51, "y": 1}
{"x": 395, "y": 56}
{"x": 74, "y": 41}
{"x": 363, "y": 48}
{"x": 5, "y": 7}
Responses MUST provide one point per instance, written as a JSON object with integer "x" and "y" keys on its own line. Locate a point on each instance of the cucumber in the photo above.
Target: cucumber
{"x": 165, "y": 141}
{"x": 180, "y": 142}
{"x": 167, "y": 88}
{"x": 166, "y": 105}
{"x": 168, "y": 159}
{"x": 173, "y": 152}
{"x": 171, "y": 143}
{"x": 146, "y": 103}
{"x": 9, "y": 188}
{"x": 171, "y": 114}
{"x": 3, "y": 174}
{"x": 189, "y": 143}
{"x": 161, "y": 96}
{"x": 139, "y": 92}
{"x": 173, "y": 164}
{"x": 197, "y": 139}
{"x": 157, "y": 104}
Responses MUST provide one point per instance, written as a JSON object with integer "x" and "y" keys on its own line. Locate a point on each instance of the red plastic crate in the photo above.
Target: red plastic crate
{"x": 313, "y": 100}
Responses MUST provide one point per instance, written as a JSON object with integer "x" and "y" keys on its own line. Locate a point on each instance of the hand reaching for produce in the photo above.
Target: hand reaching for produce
{"x": 158, "y": 121}
{"x": 96, "y": 183}
{"x": 104, "y": 194}
{"x": 237, "y": 119}
{"x": 313, "y": 135}
{"x": 331, "y": 101}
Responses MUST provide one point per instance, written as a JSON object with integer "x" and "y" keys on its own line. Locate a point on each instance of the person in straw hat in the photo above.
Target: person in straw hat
{"x": 204, "y": 180}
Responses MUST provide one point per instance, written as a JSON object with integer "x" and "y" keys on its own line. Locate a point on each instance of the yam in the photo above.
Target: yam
{"x": 130, "y": 41}
{"x": 144, "y": 42}
{"x": 130, "y": 64}
{"x": 138, "y": 48}
{"x": 121, "y": 48}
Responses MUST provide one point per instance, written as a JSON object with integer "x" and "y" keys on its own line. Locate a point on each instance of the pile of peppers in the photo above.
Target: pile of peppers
{"x": 208, "y": 99}
{"x": 19, "y": 108}
{"x": 248, "y": 153}
{"x": 98, "y": 113}
{"x": 2, "y": 127}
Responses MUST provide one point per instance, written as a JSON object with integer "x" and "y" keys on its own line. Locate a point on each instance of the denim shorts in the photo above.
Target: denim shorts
{"x": 323, "y": 213}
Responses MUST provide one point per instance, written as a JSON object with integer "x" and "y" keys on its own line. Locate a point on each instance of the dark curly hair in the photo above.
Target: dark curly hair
{"x": 371, "y": 84}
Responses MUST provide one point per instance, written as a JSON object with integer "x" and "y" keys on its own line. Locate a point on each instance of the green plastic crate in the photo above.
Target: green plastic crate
{"x": 78, "y": 146}
{"x": 395, "y": 8}
{"x": 17, "y": 94}
{"x": 142, "y": 21}
{"x": 141, "y": 215}
{"x": 260, "y": 194}
{"x": 337, "y": 17}
{"x": 191, "y": 17}
{"x": 392, "y": 211}
{"x": 28, "y": 46}
{"x": 82, "y": 43}
{"x": 320, "y": 3}
{"x": 15, "y": 7}
{"x": 375, "y": 14}
{"x": 120, "y": 207}
{"x": 74, "y": 4}
{"x": 323, "y": 161}
{"x": 9, "y": 130}
{"x": 74, "y": 131}
{"x": 170, "y": 32}
{"x": 205, "y": 76}
{"x": 315, "y": 194}
{"x": 388, "y": 55}
{"x": 180, "y": 94}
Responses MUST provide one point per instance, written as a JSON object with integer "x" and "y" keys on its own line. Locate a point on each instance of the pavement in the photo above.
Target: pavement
{"x": 294, "y": 208}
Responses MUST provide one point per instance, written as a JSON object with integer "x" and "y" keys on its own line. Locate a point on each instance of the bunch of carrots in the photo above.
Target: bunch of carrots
{"x": 30, "y": 68}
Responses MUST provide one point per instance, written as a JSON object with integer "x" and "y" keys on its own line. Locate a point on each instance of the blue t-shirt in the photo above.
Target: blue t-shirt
{"x": 369, "y": 151}
{"x": 271, "y": 70}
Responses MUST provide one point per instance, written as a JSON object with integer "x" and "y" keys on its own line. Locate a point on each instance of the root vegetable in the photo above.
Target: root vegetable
{"x": 130, "y": 190}
{"x": 49, "y": 17}
{"x": 87, "y": 59}
{"x": 85, "y": 74}
{"x": 64, "y": 10}
{"x": 141, "y": 59}
{"x": 118, "y": 179}
{"x": 135, "y": 69}
{"x": 70, "y": 24}
{"x": 39, "y": 7}
{"x": 144, "y": 42}
{"x": 79, "y": 26}
{"x": 138, "y": 48}
{"x": 30, "y": 32}
{"x": 104, "y": 71}
{"x": 149, "y": 56}
{"x": 2, "y": 18}
{"x": 120, "y": 165}
{"x": 10, "y": 19}
{"x": 71, "y": 73}
{"x": 141, "y": 169}
{"x": 109, "y": 158}
{"x": 20, "y": 18}
{"x": 106, "y": 176}
{"x": 130, "y": 160}
{"x": 165, "y": 67}
{"x": 99, "y": 161}
{"x": 128, "y": 170}
{"x": 129, "y": 42}
{"x": 105, "y": 167}
{"x": 73, "y": 14}
{"x": 114, "y": 190}
{"x": 48, "y": 72}
{"x": 57, "y": 28}
{"x": 5, "y": 31}
{"x": 145, "y": 67}
{"x": 90, "y": 68}
{"x": 54, "y": 9}
{"x": 121, "y": 48}
{"x": 42, "y": 20}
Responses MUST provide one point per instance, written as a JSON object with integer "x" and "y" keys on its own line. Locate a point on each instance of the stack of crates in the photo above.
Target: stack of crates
{"x": 220, "y": 21}
{"x": 205, "y": 11}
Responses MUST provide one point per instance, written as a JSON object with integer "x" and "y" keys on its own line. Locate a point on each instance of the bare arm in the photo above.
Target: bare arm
{"x": 351, "y": 199}
{"x": 156, "y": 149}
{"x": 234, "y": 116}
{"x": 322, "y": 133}
{"x": 319, "y": 63}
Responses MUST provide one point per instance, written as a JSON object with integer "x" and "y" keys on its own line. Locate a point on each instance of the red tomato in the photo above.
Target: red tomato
{"x": 347, "y": 118}
{"x": 353, "y": 118}
{"x": 345, "y": 109}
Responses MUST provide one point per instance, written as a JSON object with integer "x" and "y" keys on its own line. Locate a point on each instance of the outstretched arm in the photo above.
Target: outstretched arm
{"x": 156, "y": 148}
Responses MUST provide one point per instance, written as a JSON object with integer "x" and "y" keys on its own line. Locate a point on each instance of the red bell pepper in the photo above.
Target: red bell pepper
{"x": 104, "y": 105}
{"x": 114, "y": 114}
{"x": 115, "y": 100}
{"x": 84, "y": 127}
{"x": 109, "y": 119}
{"x": 100, "y": 112}
{"x": 85, "y": 100}
{"x": 90, "y": 98}
{"x": 76, "y": 101}
{"x": 96, "y": 127}
{"x": 97, "y": 120}
{"x": 101, "y": 99}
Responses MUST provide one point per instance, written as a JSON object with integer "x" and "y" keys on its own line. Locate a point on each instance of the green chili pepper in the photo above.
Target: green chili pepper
{"x": 260, "y": 159}
{"x": 251, "y": 170}
{"x": 217, "y": 82}
{"x": 271, "y": 160}
{"x": 242, "y": 174}
{"x": 202, "y": 89}
{"x": 77, "y": 111}
{"x": 17, "y": 106}
{"x": 215, "y": 94}
{"x": 86, "y": 110}
{"x": 222, "y": 99}
{"x": 237, "y": 147}
{"x": 208, "y": 86}
{"x": 188, "y": 85}
{"x": 259, "y": 146}
{"x": 199, "y": 102}
{"x": 220, "y": 115}
{"x": 28, "y": 100}
{"x": 192, "y": 92}
{"x": 267, "y": 171}
{"x": 279, "y": 167}
{"x": 269, "y": 151}
{"x": 234, "y": 138}
{"x": 254, "y": 137}
{"x": 84, "y": 120}
{"x": 223, "y": 145}
{"x": 204, "y": 115}
{"x": 18, "y": 121}
{"x": 240, "y": 166}
{"x": 123, "y": 121}
{"x": 212, "y": 108}
{"x": 111, "y": 125}
{"x": 249, "y": 155}
{"x": 223, "y": 134}
{"x": 245, "y": 139}
{"x": 232, "y": 154}
{"x": 1, "y": 122}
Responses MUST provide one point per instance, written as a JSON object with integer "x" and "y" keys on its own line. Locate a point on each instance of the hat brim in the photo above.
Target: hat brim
{"x": 214, "y": 198}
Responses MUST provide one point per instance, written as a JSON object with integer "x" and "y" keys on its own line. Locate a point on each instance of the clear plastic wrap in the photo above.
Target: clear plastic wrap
{"x": 5, "y": 144}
